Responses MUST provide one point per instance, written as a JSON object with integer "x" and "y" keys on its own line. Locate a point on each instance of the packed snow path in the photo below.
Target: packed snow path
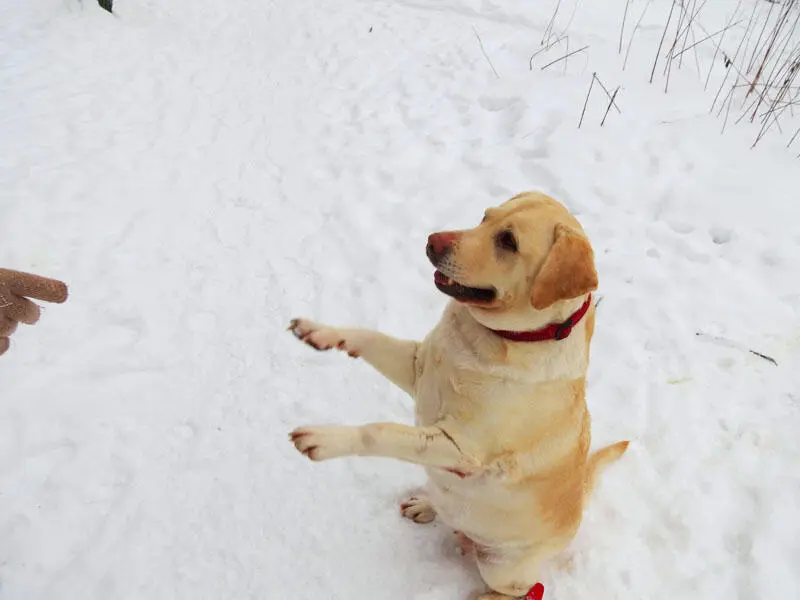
{"x": 199, "y": 173}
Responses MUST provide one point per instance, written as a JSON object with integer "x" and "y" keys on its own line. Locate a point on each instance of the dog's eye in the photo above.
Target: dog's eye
{"x": 507, "y": 241}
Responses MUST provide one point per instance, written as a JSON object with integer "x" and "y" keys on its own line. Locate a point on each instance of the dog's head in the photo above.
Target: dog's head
{"x": 527, "y": 254}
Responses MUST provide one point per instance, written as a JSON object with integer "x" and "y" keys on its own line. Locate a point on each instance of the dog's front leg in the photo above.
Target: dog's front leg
{"x": 392, "y": 357}
{"x": 427, "y": 446}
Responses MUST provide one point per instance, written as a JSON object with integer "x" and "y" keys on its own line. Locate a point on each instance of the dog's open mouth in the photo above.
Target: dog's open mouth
{"x": 461, "y": 292}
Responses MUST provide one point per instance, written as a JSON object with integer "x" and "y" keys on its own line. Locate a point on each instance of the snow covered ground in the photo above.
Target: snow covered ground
{"x": 200, "y": 172}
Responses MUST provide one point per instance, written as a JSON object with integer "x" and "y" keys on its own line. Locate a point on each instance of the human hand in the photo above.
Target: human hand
{"x": 15, "y": 307}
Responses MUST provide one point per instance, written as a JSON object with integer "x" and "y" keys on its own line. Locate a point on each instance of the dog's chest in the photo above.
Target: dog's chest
{"x": 437, "y": 383}
{"x": 463, "y": 377}
{"x": 454, "y": 382}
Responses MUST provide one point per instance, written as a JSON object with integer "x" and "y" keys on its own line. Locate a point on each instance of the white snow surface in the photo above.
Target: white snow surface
{"x": 200, "y": 172}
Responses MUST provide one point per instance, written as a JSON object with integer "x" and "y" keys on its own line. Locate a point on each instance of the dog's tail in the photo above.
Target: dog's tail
{"x": 599, "y": 460}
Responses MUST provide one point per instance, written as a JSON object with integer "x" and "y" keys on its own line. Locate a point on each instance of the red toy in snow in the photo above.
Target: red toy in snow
{"x": 536, "y": 593}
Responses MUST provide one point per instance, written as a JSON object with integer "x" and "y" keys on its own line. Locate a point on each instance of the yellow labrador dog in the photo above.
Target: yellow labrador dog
{"x": 502, "y": 429}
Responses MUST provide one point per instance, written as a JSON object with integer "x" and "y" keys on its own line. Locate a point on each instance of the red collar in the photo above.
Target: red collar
{"x": 554, "y": 331}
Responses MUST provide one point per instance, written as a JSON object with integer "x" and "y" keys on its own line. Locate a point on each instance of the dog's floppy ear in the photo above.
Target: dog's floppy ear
{"x": 568, "y": 270}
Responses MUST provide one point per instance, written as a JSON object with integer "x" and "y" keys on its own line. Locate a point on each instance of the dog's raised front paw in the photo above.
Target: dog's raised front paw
{"x": 326, "y": 441}
{"x": 320, "y": 337}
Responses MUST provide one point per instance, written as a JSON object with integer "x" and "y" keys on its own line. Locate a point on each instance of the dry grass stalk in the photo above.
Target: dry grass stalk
{"x": 661, "y": 43}
{"x": 622, "y": 28}
{"x": 722, "y": 41}
{"x": 586, "y": 102}
{"x": 772, "y": 39}
{"x": 608, "y": 108}
{"x": 551, "y": 63}
{"x": 486, "y": 56}
{"x": 635, "y": 29}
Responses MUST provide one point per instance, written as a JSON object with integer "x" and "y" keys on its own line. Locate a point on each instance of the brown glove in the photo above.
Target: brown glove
{"x": 15, "y": 306}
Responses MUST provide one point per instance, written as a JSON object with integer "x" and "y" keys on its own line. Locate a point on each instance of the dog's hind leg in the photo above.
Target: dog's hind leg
{"x": 418, "y": 509}
{"x": 391, "y": 357}
{"x": 512, "y": 576}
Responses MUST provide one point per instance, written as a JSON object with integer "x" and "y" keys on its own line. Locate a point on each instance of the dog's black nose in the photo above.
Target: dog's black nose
{"x": 439, "y": 246}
